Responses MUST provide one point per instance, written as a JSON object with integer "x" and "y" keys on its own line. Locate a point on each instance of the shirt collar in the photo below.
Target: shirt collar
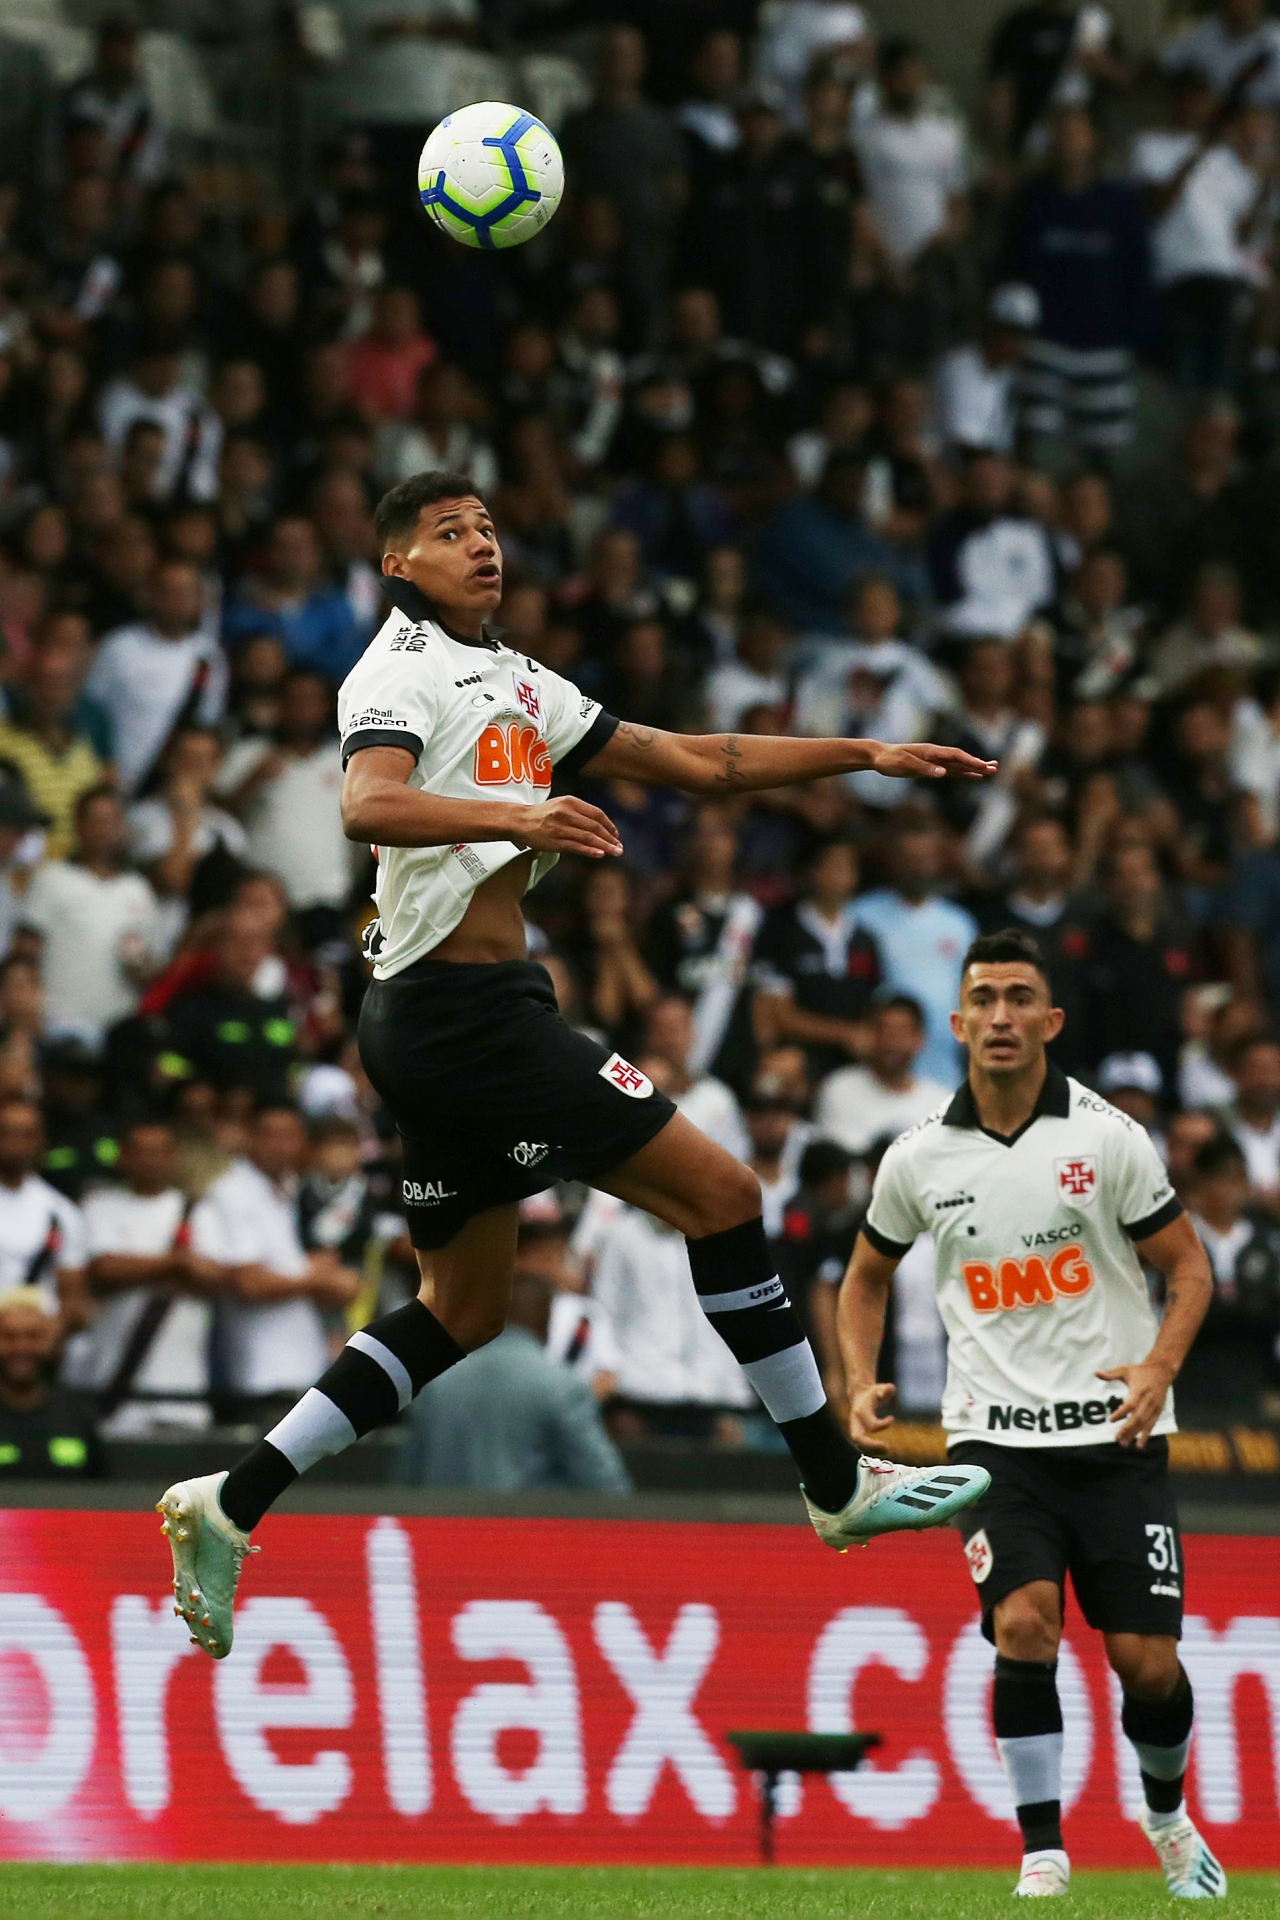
{"x": 414, "y": 604}
{"x": 1054, "y": 1100}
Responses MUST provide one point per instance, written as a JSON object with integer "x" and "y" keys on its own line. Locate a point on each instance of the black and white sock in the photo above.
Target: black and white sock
{"x": 739, "y": 1291}
{"x": 372, "y": 1381}
{"x": 1027, "y": 1716}
{"x": 1160, "y": 1732}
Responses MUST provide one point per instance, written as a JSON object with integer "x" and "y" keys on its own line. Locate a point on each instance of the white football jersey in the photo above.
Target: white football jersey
{"x": 1038, "y": 1282}
{"x": 483, "y": 723}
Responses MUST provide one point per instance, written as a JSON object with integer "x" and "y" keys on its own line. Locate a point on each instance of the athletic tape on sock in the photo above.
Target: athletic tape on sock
{"x": 788, "y": 1383}
{"x": 1033, "y": 1764}
{"x": 311, "y": 1430}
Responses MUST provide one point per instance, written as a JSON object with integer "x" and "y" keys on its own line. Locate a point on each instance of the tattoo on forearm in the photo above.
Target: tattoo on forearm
{"x": 733, "y": 771}
{"x": 643, "y": 739}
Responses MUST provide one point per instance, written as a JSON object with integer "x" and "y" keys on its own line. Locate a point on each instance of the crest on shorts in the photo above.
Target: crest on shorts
{"x": 1077, "y": 1179}
{"x": 977, "y": 1551}
{"x": 626, "y": 1078}
{"x": 528, "y": 697}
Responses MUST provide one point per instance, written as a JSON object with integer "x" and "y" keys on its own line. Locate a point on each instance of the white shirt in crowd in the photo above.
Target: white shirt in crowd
{"x": 246, "y": 1219}
{"x": 871, "y": 690}
{"x": 1255, "y": 761}
{"x": 41, "y": 1235}
{"x": 913, "y": 167}
{"x": 143, "y": 681}
{"x": 89, "y": 925}
{"x": 855, "y": 1109}
{"x": 974, "y": 403}
{"x": 1261, "y": 1152}
{"x": 192, "y": 434}
{"x": 581, "y": 1334}
{"x": 1198, "y": 234}
{"x": 293, "y": 824}
{"x": 668, "y": 1352}
{"x": 172, "y": 1381}
{"x": 713, "y": 1109}
{"x": 402, "y": 448}
{"x": 1218, "y": 55}
{"x": 1038, "y": 1282}
{"x": 733, "y": 687}
{"x": 1005, "y": 571}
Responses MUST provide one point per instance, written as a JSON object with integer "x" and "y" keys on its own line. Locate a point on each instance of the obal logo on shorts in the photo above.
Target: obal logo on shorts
{"x": 427, "y": 1193}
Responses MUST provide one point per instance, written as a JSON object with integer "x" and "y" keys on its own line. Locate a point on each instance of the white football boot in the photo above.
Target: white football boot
{"x": 893, "y": 1499}
{"x": 208, "y": 1552}
{"x": 1043, "y": 1876}
{"x": 1190, "y": 1870}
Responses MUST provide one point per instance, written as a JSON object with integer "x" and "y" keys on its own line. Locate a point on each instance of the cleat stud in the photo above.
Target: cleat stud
{"x": 182, "y": 1533}
{"x": 207, "y": 1620}
{"x": 164, "y": 1526}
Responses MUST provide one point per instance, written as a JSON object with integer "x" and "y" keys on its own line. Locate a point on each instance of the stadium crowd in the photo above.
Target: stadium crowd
{"x": 822, "y": 407}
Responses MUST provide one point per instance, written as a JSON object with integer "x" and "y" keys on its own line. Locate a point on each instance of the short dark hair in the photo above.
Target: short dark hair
{"x": 1008, "y": 947}
{"x": 398, "y": 511}
{"x": 900, "y": 1003}
{"x": 821, "y": 1162}
{"x": 1216, "y": 1154}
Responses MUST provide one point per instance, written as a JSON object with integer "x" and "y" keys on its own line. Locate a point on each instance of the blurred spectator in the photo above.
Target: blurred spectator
{"x": 385, "y": 364}
{"x": 579, "y": 1335}
{"x": 232, "y": 1033}
{"x": 97, "y": 923}
{"x": 1040, "y": 901}
{"x": 286, "y": 793}
{"x": 20, "y": 848}
{"x": 1234, "y": 1366}
{"x": 1188, "y": 1132}
{"x": 1133, "y": 1083}
{"x": 81, "y": 1147}
{"x": 1081, "y": 241}
{"x": 53, "y": 737}
{"x": 675, "y": 515}
{"x": 675, "y": 1375}
{"x": 912, "y": 159}
{"x": 1050, "y": 54}
{"x": 112, "y": 98}
{"x": 1235, "y": 44}
{"x": 147, "y": 1354}
{"x": 670, "y": 1038}
{"x": 816, "y": 966}
{"x": 633, "y": 156}
{"x": 778, "y": 1139}
{"x": 156, "y": 392}
{"x": 811, "y": 551}
{"x": 754, "y": 677}
{"x": 271, "y": 1324}
{"x": 858, "y": 1105}
{"x": 441, "y": 433}
{"x": 1096, "y": 636}
{"x": 1254, "y": 1116}
{"x": 541, "y": 1427}
{"x": 819, "y": 1225}
{"x": 178, "y": 827}
{"x": 921, "y": 937}
{"x": 154, "y": 677}
{"x": 47, "y": 1432}
{"x": 291, "y": 597}
{"x": 341, "y": 1205}
{"x": 975, "y": 390}
{"x": 707, "y": 117}
{"x": 800, "y": 33}
{"x": 700, "y": 945}
{"x": 1209, "y": 635}
{"x": 991, "y": 565}
{"x": 42, "y": 1242}
{"x": 1140, "y": 963}
{"x": 81, "y": 278}
{"x": 265, "y": 327}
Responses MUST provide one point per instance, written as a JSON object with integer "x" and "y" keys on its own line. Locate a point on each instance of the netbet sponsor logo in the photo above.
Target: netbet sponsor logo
{"x": 1002, "y": 1286}
{"x": 1064, "y": 1416}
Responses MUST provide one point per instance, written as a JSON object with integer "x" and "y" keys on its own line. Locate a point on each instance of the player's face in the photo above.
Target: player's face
{"x": 453, "y": 557}
{"x": 1006, "y": 1016}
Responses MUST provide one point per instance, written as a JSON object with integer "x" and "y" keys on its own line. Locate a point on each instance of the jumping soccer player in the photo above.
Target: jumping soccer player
{"x": 1040, "y": 1198}
{"x": 449, "y": 741}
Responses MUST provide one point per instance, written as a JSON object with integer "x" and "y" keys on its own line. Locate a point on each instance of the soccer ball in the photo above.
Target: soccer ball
{"x": 491, "y": 175}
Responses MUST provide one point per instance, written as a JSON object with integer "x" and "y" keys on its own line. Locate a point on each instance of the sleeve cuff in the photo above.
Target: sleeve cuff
{"x": 891, "y": 1249}
{"x": 1163, "y": 1216}
{"x": 597, "y": 735}
{"x": 382, "y": 737}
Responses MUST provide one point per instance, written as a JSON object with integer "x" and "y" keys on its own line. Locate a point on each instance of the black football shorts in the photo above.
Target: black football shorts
{"x": 1105, "y": 1515}
{"x": 494, "y": 1094}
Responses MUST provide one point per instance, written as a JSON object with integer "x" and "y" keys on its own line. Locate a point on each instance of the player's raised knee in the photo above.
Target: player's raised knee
{"x": 728, "y": 1195}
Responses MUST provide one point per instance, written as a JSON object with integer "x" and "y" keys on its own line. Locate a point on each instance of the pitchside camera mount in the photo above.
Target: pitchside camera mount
{"x": 771, "y": 1754}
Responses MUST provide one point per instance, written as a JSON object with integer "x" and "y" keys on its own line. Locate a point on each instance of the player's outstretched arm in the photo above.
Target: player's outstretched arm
{"x": 860, "y": 1312}
{"x": 724, "y": 764}
{"x": 379, "y": 808}
{"x": 1177, "y": 1253}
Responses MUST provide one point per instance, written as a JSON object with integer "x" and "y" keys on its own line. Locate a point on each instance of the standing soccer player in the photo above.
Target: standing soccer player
{"x": 1040, "y": 1198}
{"x": 449, "y": 741}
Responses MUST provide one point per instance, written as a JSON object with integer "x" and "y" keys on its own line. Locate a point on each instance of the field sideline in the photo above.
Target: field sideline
{"x": 567, "y": 1893}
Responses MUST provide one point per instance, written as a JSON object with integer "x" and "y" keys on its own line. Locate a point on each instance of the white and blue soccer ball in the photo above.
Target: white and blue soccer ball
{"x": 491, "y": 175}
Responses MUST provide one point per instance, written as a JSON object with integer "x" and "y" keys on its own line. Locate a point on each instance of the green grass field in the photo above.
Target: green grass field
{"x": 567, "y": 1893}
